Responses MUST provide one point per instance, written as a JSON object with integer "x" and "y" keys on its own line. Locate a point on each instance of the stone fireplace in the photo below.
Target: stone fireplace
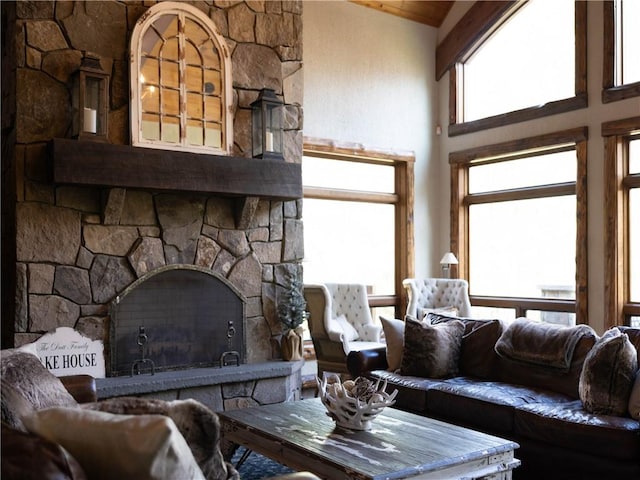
{"x": 72, "y": 247}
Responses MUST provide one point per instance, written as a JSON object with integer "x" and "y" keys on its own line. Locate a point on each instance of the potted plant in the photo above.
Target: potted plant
{"x": 291, "y": 311}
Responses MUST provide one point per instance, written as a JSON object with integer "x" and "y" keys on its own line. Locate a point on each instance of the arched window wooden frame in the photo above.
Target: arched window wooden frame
{"x": 206, "y": 102}
{"x": 482, "y": 19}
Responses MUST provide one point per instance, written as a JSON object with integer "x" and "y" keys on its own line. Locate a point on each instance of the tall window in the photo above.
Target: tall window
{"x": 520, "y": 226}
{"x": 180, "y": 81}
{"x": 621, "y": 76}
{"x": 622, "y": 199}
{"x": 503, "y": 77}
{"x": 357, "y": 218}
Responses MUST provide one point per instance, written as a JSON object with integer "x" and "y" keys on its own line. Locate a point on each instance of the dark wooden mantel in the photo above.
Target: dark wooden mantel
{"x": 101, "y": 164}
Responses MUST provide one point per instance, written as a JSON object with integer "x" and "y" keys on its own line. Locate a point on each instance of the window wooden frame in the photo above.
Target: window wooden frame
{"x": 183, "y": 11}
{"x": 402, "y": 199}
{"x": 610, "y": 91}
{"x": 461, "y": 200}
{"x": 480, "y": 21}
{"x": 618, "y": 182}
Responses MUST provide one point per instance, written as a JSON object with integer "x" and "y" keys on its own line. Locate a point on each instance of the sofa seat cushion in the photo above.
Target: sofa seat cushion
{"x": 569, "y": 425}
{"x": 484, "y": 404}
{"x": 412, "y": 391}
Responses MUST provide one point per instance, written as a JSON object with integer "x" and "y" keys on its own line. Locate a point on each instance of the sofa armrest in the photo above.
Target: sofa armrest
{"x": 81, "y": 387}
{"x": 361, "y": 361}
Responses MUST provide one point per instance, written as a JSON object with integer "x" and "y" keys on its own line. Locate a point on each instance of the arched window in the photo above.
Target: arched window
{"x": 180, "y": 82}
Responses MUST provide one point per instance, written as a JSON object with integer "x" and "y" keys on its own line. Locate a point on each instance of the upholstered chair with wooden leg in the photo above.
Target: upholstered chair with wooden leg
{"x": 340, "y": 321}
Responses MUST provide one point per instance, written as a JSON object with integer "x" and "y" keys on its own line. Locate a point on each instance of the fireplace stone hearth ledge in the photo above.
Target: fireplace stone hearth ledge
{"x": 220, "y": 388}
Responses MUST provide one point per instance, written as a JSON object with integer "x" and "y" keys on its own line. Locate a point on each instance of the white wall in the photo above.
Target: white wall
{"x": 592, "y": 117}
{"x": 369, "y": 79}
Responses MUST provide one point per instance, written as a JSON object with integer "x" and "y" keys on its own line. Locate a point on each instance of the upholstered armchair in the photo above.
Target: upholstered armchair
{"x": 339, "y": 321}
{"x": 446, "y": 295}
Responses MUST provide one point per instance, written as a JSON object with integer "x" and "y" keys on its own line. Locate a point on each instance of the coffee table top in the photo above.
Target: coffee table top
{"x": 400, "y": 444}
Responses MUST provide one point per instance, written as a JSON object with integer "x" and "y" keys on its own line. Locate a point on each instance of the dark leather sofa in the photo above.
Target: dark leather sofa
{"x": 539, "y": 407}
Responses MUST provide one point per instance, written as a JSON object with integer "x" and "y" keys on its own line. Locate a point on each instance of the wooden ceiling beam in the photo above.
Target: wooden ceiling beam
{"x": 427, "y": 12}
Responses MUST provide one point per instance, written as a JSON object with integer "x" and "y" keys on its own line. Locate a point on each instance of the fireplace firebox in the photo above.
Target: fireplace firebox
{"x": 174, "y": 318}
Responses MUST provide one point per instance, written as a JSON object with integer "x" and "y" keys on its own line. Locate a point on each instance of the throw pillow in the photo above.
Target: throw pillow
{"x": 350, "y": 332}
{"x": 608, "y": 374}
{"x": 118, "y": 446}
{"x": 31, "y": 384}
{"x": 431, "y": 351}
{"x": 449, "y": 311}
{"x": 634, "y": 398}
{"x": 340, "y": 327}
{"x": 394, "y": 337}
{"x": 539, "y": 343}
{"x": 477, "y": 354}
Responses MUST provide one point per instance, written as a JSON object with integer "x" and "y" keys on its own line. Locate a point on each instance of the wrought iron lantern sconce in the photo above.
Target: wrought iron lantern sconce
{"x": 90, "y": 87}
{"x": 267, "y": 126}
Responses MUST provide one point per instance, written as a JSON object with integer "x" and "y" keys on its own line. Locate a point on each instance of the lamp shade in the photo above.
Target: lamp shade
{"x": 449, "y": 259}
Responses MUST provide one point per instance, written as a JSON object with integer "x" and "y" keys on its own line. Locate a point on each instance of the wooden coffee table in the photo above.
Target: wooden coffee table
{"x": 400, "y": 444}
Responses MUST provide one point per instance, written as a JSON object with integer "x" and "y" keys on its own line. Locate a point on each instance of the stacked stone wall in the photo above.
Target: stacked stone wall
{"x": 78, "y": 247}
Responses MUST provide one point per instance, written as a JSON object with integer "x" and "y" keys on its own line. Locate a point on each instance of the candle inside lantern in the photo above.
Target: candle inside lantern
{"x": 269, "y": 142}
{"x": 90, "y": 120}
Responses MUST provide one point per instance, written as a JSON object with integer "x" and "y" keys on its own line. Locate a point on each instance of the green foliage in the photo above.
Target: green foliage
{"x": 291, "y": 302}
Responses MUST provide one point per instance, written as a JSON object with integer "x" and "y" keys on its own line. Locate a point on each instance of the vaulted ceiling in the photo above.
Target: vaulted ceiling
{"x": 429, "y": 12}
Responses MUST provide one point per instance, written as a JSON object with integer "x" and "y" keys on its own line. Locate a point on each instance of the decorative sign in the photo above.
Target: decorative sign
{"x": 68, "y": 352}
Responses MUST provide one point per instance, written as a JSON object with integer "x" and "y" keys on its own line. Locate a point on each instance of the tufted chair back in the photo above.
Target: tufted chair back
{"x": 351, "y": 300}
{"x": 429, "y": 294}
{"x": 339, "y": 321}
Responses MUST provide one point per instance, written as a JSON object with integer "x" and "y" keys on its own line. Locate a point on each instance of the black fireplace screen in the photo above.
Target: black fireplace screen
{"x": 174, "y": 318}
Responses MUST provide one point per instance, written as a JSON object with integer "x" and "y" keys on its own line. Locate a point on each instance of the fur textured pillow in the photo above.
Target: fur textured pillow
{"x": 28, "y": 383}
{"x": 608, "y": 374}
{"x": 431, "y": 351}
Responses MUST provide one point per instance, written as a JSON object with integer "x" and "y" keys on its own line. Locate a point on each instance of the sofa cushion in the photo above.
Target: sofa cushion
{"x": 118, "y": 446}
{"x": 28, "y": 383}
{"x": 413, "y": 392}
{"x": 484, "y": 404}
{"x": 394, "y": 337}
{"x": 570, "y": 426}
{"x": 608, "y": 374}
{"x": 431, "y": 350}
{"x": 540, "y": 343}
